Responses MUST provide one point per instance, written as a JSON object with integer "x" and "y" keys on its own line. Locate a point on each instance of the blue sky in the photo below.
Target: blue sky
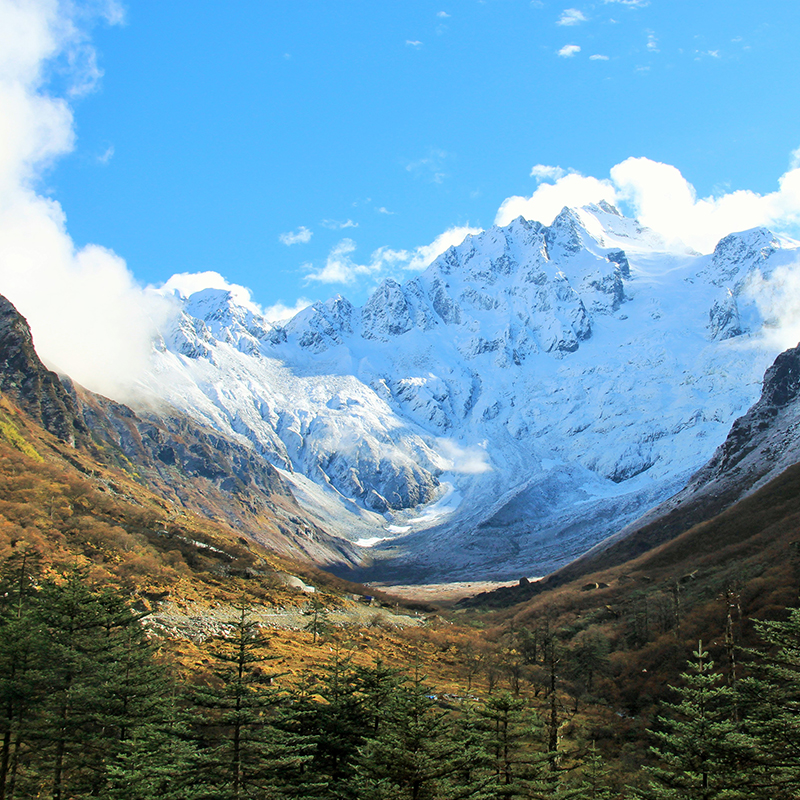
{"x": 303, "y": 149}
{"x": 217, "y": 127}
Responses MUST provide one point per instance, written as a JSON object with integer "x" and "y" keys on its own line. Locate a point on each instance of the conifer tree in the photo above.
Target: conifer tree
{"x": 770, "y": 701}
{"x": 413, "y": 755}
{"x": 594, "y": 785}
{"x": 157, "y": 758}
{"x": 91, "y": 684}
{"x": 318, "y": 624}
{"x": 699, "y": 747}
{"x": 21, "y": 641}
{"x": 244, "y": 753}
{"x": 78, "y": 726}
{"x": 514, "y": 765}
{"x": 329, "y": 707}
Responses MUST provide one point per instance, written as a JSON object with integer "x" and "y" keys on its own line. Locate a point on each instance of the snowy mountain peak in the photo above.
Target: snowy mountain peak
{"x": 533, "y": 380}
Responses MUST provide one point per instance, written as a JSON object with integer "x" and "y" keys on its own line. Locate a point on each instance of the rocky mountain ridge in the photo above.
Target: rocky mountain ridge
{"x": 533, "y": 391}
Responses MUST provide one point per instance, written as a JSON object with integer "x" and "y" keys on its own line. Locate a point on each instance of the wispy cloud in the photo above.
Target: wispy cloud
{"x": 414, "y": 43}
{"x": 631, "y": 3}
{"x": 443, "y": 14}
{"x": 425, "y": 255}
{"x": 340, "y": 266}
{"x": 105, "y": 157}
{"x": 598, "y": 57}
{"x": 301, "y": 236}
{"x": 431, "y": 167}
{"x": 384, "y": 210}
{"x": 543, "y": 172}
{"x": 569, "y": 50}
{"x": 652, "y": 42}
{"x": 571, "y": 16}
{"x": 336, "y": 225}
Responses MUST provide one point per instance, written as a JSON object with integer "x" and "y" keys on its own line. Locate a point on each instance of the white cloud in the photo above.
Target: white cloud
{"x": 465, "y": 460}
{"x": 631, "y": 3}
{"x": 571, "y": 16}
{"x": 300, "y": 236}
{"x": 280, "y": 312}
{"x": 598, "y": 57}
{"x": 543, "y": 172}
{"x": 778, "y": 300}
{"x": 652, "y": 43}
{"x": 569, "y": 50}
{"x": 442, "y": 14}
{"x": 415, "y": 43}
{"x": 336, "y": 225}
{"x": 88, "y": 315}
{"x": 662, "y": 199}
{"x": 425, "y": 254}
{"x": 545, "y": 203}
{"x": 186, "y": 284}
{"x": 384, "y": 210}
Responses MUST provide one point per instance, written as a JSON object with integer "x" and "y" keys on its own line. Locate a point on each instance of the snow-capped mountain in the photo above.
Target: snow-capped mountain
{"x": 534, "y": 390}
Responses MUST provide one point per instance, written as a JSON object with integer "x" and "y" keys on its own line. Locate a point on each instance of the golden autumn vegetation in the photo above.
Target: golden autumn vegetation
{"x": 577, "y": 677}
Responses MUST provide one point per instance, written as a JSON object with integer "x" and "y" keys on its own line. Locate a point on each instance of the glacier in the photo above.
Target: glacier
{"x": 534, "y": 390}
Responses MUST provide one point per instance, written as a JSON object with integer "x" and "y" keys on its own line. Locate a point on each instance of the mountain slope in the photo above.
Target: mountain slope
{"x": 533, "y": 391}
{"x": 191, "y": 466}
{"x": 749, "y": 486}
{"x": 761, "y": 446}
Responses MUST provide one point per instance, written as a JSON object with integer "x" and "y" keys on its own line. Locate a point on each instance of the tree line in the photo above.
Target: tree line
{"x": 90, "y": 708}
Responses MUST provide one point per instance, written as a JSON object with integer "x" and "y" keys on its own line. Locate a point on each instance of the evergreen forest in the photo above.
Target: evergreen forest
{"x": 93, "y": 705}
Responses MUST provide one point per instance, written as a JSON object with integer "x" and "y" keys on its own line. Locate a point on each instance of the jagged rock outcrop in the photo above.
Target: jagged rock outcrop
{"x": 34, "y": 388}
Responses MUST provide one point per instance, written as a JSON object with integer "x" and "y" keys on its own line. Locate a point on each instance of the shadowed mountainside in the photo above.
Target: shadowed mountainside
{"x": 184, "y": 462}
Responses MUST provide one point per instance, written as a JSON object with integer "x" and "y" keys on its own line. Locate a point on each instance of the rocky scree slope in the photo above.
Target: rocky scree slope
{"x": 530, "y": 393}
{"x": 192, "y": 466}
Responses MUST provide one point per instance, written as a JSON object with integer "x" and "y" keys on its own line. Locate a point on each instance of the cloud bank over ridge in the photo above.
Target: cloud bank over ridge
{"x": 661, "y": 198}
{"x": 88, "y": 315}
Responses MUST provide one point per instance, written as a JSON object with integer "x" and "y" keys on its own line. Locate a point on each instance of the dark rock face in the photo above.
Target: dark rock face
{"x": 763, "y": 422}
{"x": 619, "y": 258}
{"x": 34, "y": 388}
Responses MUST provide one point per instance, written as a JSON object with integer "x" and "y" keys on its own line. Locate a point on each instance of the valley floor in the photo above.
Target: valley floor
{"x": 441, "y": 592}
